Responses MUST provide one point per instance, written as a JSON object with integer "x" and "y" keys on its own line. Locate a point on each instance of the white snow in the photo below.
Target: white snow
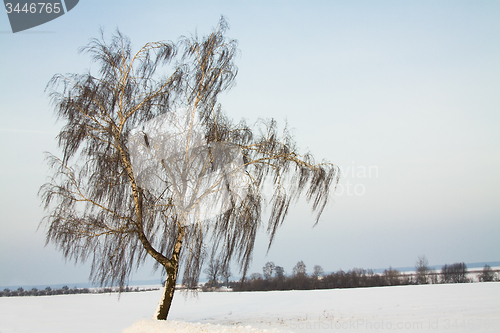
{"x": 471, "y": 307}
{"x": 155, "y": 326}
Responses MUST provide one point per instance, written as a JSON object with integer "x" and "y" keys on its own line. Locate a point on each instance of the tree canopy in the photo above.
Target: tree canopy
{"x": 152, "y": 165}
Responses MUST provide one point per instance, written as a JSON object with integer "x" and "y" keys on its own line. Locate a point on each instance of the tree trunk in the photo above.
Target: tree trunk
{"x": 172, "y": 270}
{"x": 168, "y": 295}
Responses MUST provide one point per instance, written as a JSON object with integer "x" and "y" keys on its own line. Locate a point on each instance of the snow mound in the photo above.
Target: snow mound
{"x": 170, "y": 326}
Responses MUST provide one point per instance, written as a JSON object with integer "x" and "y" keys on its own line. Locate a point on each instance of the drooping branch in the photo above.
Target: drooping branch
{"x": 162, "y": 170}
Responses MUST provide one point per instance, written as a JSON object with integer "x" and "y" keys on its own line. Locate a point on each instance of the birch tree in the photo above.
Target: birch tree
{"x": 152, "y": 166}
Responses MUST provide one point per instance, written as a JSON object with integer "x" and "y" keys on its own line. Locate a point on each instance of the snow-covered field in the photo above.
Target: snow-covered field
{"x": 473, "y": 307}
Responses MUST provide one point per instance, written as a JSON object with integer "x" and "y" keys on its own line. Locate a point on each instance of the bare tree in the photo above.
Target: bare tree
{"x": 460, "y": 273}
{"x": 299, "y": 269}
{"x": 318, "y": 271}
{"x": 225, "y": 275}
{"x": 268, "y": 269}
{"x": 455, "y": 273}
{"x": 445, "y": 274}
{"x": 279, "y": 273}
{"x": 487, "y": 274}
{"x": 213, "y": 270}
{"x": 255, "y": 276}
{"x": 152, "y": 166}
{"x": 392, "y": 276}
{"x": 422, "y": 270}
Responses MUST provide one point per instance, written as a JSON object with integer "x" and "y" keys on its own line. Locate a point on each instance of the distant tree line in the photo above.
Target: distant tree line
{"x": 67, "y": 291}
{"x": 454, "y": 273}
{"x": 273, "y": 277}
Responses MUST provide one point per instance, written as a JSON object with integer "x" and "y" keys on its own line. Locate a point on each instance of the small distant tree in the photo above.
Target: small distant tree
{"x": 255, "y": 276}
{"x": 267, "y": 270}
{"x": 487, "y": 274}
{"x": 422, "y": 270}
{"x": 213, "y": 271}
{"x": 299, "y": 269}
{"x": 462, "y": 272}
{"x": 354, "y": 277}
{"x": 459, "y": 273}
{"x": 454, "y": 273}
{"x": 225, "y": 275}
{"x": 445, "y": 274}
{"x": 318, "y": 272}
{"x": 392, "y": 276}
{"x": 279, "y": 272}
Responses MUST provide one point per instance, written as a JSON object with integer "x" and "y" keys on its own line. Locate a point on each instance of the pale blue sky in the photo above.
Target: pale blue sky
{"x": 409, "y": 88}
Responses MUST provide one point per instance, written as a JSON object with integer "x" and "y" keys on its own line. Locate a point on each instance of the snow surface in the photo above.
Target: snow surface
{"x": 155, "y": 326}
{"x": 471, "y": 307}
